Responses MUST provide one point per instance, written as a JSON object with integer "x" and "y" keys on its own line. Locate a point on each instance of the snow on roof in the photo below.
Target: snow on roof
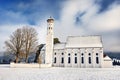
{"x": 107, "y": 58}
{"x": 43, "y": 47}
{"x": 56, "y": 46}
{"x": 84, "y": 41}
{"x": 59, "y": 46}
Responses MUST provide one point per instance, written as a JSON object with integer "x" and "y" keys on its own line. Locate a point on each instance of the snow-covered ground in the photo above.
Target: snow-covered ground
{"x": 57, "y": 73}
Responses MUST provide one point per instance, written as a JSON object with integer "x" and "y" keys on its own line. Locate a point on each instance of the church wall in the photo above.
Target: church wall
{"x": 75, "y": 54}
{"x": 98, "y": 52}
{"x": 79, "y": 53}
{"x": 82, "y": 54}
{"x": 88, "y": 55}
{"x": 42, "y": 56}
{"x": 58, "y": 54}
{"x": 68, "y": 55}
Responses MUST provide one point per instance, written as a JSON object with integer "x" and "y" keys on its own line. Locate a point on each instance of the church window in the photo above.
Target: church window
{"x": 75, "y": 59}
{"x": 75, "y": 54}
{"x": 69, "y": 54}
{"x": 96, "y": 54}
{"x": 82, "y": 60}
{"x": 62, "y": 60}
{"x": 89, "y": 60}
{"x": 82, "y": 54}
{"x": 68, "y": 59}
{"x": 62, "y": 53}
{"x": 55, "y": 60}
{"x": 89, "y": 54}
{"x": 49, "y": 27}
{"x": 97, "y": 60}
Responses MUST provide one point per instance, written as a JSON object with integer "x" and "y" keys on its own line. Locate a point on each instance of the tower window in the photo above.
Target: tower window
{"x": 62, "y": 60}
{"x": 49, "y": 27}
{"x": 75, "y": 59}
{"x": 55, "y": 60}
{"x": 62, "y": 53}
{"x": 69, "y": 60}
{"x": 55, "y": 53}
{"x": 97, "y": 60}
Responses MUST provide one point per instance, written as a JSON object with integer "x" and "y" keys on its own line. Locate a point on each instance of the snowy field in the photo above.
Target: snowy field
{"x": 57, "y": 73}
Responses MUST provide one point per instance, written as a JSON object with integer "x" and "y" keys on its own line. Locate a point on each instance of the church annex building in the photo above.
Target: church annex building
{"x": 77, "y": 51}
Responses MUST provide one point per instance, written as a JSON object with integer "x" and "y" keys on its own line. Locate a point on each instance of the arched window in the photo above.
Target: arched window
{"x": 82, "y": 54}
{"x": 49, "y": 27}
{"x": 96, "y": 54}
{"x": 75, "y": 60}
{"x": 97, "y": 60}
{"x": 55, "y": 53}
{"x": 89, "y": 54}
{"x": 62, "y": 60}
{"x": 62, "y": 53}
{"x": 89, "y": 60}
{"x": 55, "y": 60}
{"x": 69, "y": 54}
{"x": 69, "y": 60}
{"x": 82, "y": 59}
{"x": 75, "y": 54}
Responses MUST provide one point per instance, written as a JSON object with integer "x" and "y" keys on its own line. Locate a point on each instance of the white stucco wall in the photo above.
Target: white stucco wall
{"x": 79, "y": 51}
{"x": 107, "y": 64}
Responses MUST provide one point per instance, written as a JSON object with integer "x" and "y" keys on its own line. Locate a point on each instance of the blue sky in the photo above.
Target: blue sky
{"x": 72, "y": 18}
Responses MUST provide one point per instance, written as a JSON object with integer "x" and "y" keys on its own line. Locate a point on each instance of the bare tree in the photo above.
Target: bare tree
{"x": 15, "y": 43}
{"x": 30, "y": 40}
{"x": 22, "y": 42}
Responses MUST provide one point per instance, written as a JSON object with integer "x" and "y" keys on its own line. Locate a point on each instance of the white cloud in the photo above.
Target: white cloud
{"x": 106, "y": 21}
{"x": 92, "y": 21}
{"x": 66, "y": 25}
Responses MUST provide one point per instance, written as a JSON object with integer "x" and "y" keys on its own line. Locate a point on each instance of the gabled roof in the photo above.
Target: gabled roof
{"x": 107, "y": 58}
{"x": 59, "y": 46}
{"x": 83, "y": 41}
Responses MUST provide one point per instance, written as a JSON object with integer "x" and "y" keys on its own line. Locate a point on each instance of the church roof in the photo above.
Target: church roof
{"x": 59, "y": 46}
{"x": 83, "y": 41}
{"x": 107, "y": 58}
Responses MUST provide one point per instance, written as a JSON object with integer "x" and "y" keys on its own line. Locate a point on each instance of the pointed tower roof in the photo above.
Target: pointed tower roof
{"x": 50, "y": 19}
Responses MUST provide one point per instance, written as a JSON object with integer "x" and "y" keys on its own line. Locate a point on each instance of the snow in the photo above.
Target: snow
{"x": 59, "y": 73}
{"x": 84, "y": 41}
{"x": 107, "y": 58}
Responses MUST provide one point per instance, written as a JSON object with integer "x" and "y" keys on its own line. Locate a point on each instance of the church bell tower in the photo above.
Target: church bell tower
{"x": 49, "y": 41}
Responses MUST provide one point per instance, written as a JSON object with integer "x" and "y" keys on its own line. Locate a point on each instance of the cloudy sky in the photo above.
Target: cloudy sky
{"x": 72, "y": 18}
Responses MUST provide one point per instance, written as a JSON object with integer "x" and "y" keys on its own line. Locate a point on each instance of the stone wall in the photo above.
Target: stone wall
{"x": 29, "y": 65}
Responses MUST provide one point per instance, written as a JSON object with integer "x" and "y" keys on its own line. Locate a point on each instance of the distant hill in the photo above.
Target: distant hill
{"x": 1, "y": 53}
{"x": 113, "y": 54}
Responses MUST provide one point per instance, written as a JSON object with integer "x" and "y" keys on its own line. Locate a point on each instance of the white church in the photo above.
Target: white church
{"x": 77, "y": 51}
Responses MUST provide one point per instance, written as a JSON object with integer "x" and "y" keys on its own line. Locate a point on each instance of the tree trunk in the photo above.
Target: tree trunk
{"x": 26, "y": 58}
{"x": 17, "y": 59}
